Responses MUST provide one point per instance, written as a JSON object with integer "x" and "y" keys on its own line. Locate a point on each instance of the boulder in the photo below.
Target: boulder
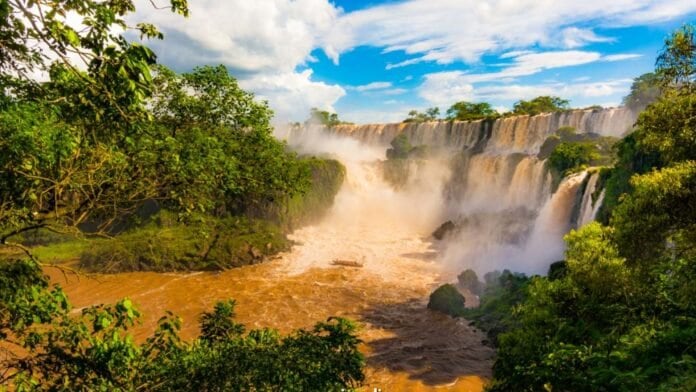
{"x": 447, "y": 299}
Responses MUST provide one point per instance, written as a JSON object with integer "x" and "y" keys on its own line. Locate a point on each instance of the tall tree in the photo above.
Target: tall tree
{"x": 468, "y": 111}
{"x": 538, "y": 105}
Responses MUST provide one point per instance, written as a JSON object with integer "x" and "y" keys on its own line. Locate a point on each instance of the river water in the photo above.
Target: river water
{"x": 407, "y": 346}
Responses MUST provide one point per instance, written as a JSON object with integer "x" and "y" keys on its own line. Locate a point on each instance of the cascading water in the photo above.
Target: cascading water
{"x": 589, "y": 207}
{"x": 507, "y": 211}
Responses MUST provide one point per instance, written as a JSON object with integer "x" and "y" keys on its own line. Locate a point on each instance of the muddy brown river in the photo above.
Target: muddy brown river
{"x": 408, "y": 347}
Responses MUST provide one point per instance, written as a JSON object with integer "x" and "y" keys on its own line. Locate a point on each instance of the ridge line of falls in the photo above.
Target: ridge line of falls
{"x": 505, "y": 207}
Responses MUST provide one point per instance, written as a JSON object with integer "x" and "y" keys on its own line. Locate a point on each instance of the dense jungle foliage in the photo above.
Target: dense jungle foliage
{"x": 618, "y": 314}
{"x": 86, "y": 154}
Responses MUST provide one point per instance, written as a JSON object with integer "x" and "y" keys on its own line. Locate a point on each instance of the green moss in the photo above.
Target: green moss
{"x": 60, "y": 252}
{"x": 447, "y": 299}
{"x": 327, "y": 178}
{"x": 206, "y": 244}
{"x": 396, "y": 172}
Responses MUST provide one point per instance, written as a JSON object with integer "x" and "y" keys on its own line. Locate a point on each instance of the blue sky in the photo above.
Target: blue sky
{"x": 373, "y": 61}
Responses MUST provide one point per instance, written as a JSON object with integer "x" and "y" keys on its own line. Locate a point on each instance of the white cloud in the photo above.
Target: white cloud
{"x": 515, "y": 53}
{"x": 443, "y": 89}
{"x": 621, "y": 57}
{"x": 371, "y": 86}
{"x": 573, "y": 37}
{"x": 460, "y": 83}
{"x": 252, "y": 36}
{"x": 263, "y": 42}
{"x": 464, "y": 30}
{"x": 293, "y": 94}
{"x": 395, "y": 91}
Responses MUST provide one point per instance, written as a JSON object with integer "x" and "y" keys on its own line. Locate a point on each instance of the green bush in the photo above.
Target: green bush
{"x": 306, "y": 208}
{"x": 447, "y": 299}
{"x": 168, "y": 245}
{"x": 469, "y": 281}
{"x": 400, "y": 147}
{"x": 502, "y": 292}
{"x": 570, "y": 157}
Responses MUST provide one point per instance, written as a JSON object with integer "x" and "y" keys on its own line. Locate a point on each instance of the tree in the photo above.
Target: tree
{"x": 569, "y": 157}
{"x": 468, "y": 111}
{"x": 431, "y": 114}
{"x": 220, "y": 143}
{"x": 324, "y": 118}
{"x": 676, "y": 65}
{"x": 644, "y": 91}
{"x": 117, "y": 79}
{"x": 538, "y": 105}
{"x": 400, "y": 147}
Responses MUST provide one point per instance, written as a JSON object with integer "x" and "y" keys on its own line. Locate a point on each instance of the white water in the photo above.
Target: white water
{"x": 485, "y": 176}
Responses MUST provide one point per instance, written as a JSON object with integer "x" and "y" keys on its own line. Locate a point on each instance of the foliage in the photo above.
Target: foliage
{"x": 468, "y": 111}
{"x": 468, "y": 280}
{"x": 220, "y": 143}
{"x": 448, "y": 300}
{"x": 400, "y": 147}
{"x": 644, "y": 91}
{"x": 196, "y": 243}
{"x": 117, "y": 80}
{"x": 676, "y": 64}
{"x": 95, "y": 350}
{"x": 570, "y": 157}
{"x": 327, "y": 176}
{"x": 324, "y": 118}
{"x": 618, "y": 314}
{"x": 658, "y": 211}
{"x": 538, "y": 105}
{"x": 668, "y": 128}
{"x": 502, "y": 292}
{"x": 430, "y": 114}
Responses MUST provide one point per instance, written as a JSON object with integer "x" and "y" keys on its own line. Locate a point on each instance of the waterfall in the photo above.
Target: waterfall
{"x": 523, "y": 134}
{"x": 588, "y": 207}
{"x": 489, "y": 181}
{"x": 545, "y": 243}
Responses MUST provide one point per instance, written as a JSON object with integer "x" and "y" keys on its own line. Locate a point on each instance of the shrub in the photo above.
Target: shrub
{"x": 468, "y": 280}
{"x": 209, "y": 244}
{"x": 570, "y": 157}
{"x": 447, "y": 299}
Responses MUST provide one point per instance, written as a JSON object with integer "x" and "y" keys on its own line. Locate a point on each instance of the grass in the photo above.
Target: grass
{"x": 166, "y": 244}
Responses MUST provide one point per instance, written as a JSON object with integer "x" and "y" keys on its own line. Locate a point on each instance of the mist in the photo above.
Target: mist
{"x": 507, "y": 210}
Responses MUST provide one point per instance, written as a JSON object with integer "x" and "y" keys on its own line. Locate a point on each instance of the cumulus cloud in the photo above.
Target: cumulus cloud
{"x": 251, "y": 36}
{"x": 464, "y": 30}
{"x": 293, "y": 94}
{"x": 621, "y": 57}
{"x": 444, "y": 88}
{"x": 372, "y": 86}
{"x": 267, "y": 43}
{"x": 263, "y": 43}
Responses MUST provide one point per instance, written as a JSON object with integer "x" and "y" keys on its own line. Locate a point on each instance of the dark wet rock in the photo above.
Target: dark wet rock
{"x": 444, "y": 230}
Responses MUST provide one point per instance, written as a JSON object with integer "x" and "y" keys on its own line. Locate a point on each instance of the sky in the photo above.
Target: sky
{"x": 372, "y": 61}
